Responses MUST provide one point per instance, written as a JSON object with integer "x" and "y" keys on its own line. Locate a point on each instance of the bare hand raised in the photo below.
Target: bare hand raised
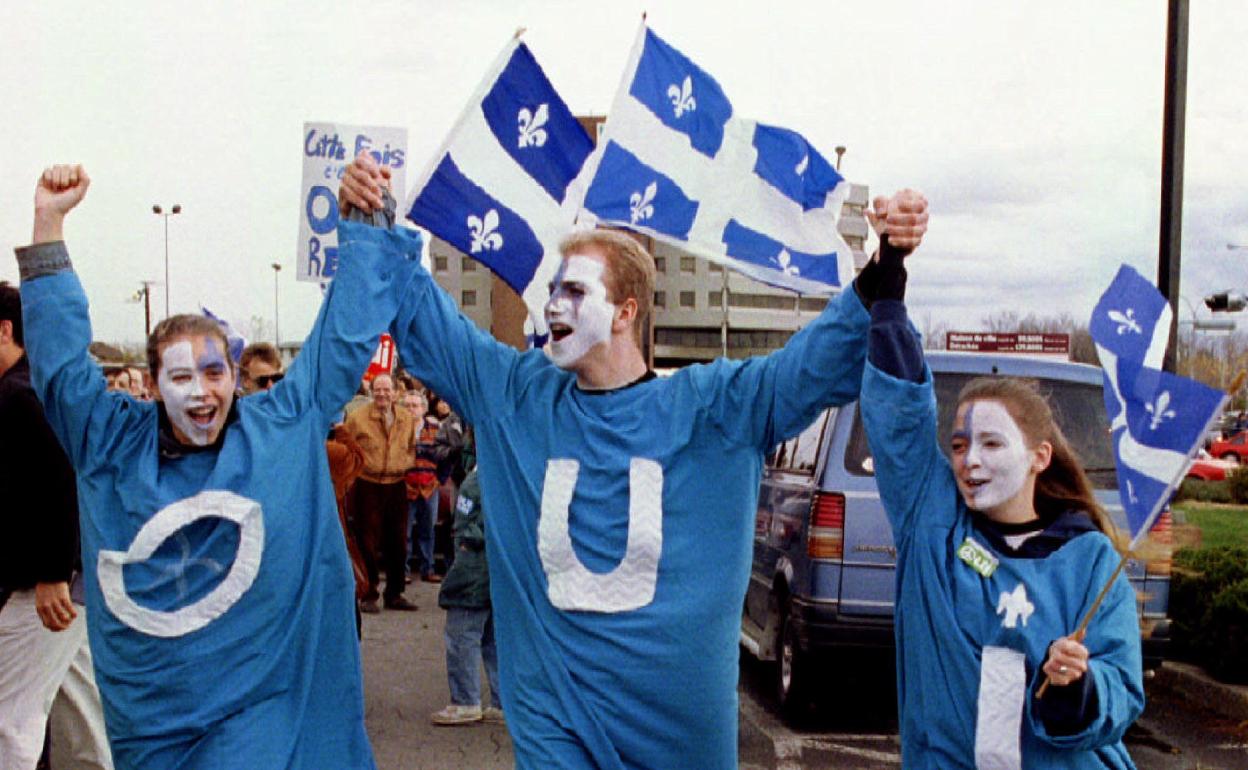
{"x": 1068, "y": 660}
{"x": 903, "y": 218}
{"x": 362, "y": 183}
{"x": 59, "y": 189}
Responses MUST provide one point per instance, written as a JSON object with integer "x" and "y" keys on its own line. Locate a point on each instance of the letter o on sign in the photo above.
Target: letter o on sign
{"x": 322, "y": 225}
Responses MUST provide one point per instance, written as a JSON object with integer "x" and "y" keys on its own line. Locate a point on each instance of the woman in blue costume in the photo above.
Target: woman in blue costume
{"x": 1000, "y": 552}
{"x": 218, "y": 587}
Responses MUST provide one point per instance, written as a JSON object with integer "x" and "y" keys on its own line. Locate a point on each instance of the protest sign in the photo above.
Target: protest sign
{"x": 327, "y": 150}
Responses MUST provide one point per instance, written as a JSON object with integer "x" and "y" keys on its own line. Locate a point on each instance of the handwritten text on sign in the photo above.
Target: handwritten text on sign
{"x": 327, "y": 150}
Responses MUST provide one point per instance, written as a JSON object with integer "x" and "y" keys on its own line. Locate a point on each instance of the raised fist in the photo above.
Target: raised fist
{"x": 903, "y": 218}
{"x": 59, "y": 189}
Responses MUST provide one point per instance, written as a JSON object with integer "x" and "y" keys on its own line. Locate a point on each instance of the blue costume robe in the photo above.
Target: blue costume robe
{"x": 621, "y": 527}
{"x": 219, "y": 592}
{"x": 969, "y": 647}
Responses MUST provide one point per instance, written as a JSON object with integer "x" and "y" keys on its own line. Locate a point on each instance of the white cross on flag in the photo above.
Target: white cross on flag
{"x": 676, "y": 163}
{"x": 1157, "y": 419}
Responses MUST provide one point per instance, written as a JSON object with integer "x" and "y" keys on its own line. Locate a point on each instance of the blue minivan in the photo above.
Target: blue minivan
{"x": 823, "y": 571}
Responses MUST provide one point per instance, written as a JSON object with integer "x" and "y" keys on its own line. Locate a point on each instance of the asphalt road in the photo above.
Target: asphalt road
{"x": 854, "y": 727}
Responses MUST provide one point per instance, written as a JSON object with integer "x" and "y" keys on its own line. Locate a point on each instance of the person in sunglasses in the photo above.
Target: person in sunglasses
{"x": 260, "y": 367}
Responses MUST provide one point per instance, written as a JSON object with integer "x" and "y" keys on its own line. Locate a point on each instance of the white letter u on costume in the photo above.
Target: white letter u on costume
{"x": 630, "y": 586}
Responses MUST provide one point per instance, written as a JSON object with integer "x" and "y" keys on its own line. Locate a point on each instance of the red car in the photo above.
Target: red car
{"x": 1206, "y": 468}
{"x": 1234, "y": 448}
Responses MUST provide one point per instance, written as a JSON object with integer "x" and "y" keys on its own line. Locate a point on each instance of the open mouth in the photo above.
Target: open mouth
{"x": 974, "y": 484}
{"x": 559, "y": 331}
{"x": 202, "y": 416}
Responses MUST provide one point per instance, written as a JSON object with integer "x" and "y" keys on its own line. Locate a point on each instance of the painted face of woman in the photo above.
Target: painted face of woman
{"x": 578, "y": 313}
{"x": 991, "y": 459}
{"x": 196, "y": 385}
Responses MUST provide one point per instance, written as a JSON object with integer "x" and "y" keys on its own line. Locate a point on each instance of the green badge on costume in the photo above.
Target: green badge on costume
{"x": 978, "y": 557}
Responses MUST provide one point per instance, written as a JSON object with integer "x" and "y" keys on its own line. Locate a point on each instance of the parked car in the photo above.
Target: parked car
{"x": 824, "y": 560}
{"x": 1206, "y": 467}
{"x": 1234, "y": 449}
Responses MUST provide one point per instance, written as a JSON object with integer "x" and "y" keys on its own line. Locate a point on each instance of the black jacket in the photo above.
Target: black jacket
{"x": 38, "y": 501}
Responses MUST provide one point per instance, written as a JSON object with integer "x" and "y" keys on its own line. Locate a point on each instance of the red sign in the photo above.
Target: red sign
{"x": 1009, "y": 342}
{"x": 383, "y": 359}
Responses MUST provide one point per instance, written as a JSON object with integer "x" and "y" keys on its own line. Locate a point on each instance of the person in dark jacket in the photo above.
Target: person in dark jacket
{"x": 45, "y": 663}
{"x": 469, "y": 634}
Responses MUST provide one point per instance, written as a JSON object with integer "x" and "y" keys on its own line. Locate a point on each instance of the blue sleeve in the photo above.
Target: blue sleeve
{"x": 87, "y": 420}
{"x": 914, "y": 479}
{"x": 1115, "y": 667}
{"x": 765, "y": 400}
{"x": 894, "y": 347}
{"x": 375, "y": 273}
{"x": 446, "y": 351}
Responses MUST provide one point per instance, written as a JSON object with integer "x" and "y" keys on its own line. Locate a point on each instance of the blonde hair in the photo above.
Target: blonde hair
{"x": 629, "y": 268}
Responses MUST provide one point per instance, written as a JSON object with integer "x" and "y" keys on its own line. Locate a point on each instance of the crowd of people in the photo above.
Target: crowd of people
{"x": 234, "y": 528}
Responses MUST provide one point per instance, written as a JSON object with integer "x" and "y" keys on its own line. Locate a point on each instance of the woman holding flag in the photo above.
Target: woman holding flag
{"x": 1001, "y": 551}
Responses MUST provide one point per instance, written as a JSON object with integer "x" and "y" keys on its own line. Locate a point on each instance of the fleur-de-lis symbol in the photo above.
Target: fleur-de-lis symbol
{"x": 682, "y": 96}
{"x": 1160, "y": 410}
{"x": 800, "y": 168}
{"x": 1126, "y": 321}
{"x": 784, "y": 260}
{"x": 484, "y": 237}
{"x": 531, "y": 132}
{"x": 639, "y": 204}
{"x": 1015, "y": 606}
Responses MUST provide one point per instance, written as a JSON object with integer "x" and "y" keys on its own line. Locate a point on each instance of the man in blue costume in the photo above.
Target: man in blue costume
{"x": 218, "y": 587}
{"x": 623, "y": 504}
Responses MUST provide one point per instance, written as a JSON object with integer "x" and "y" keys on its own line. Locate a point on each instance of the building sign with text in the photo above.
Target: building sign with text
{"x": 1028, "y": 343}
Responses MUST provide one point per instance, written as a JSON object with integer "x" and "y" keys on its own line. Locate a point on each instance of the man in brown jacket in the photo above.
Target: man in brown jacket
{"x": 379, "y": 496}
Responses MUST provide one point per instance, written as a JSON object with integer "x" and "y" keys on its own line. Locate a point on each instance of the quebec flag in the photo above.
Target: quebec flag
{"x": 675, "y": 163}
{"x": 498, "y": 187}
{"x": 1157, "y": 419}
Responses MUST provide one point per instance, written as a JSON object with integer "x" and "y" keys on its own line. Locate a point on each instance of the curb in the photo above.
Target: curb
{"x": 1191, "y": 682}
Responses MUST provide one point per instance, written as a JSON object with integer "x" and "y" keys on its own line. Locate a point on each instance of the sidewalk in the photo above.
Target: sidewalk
{"x": 1191, "y": 682}
{"x": 405, "y": 681}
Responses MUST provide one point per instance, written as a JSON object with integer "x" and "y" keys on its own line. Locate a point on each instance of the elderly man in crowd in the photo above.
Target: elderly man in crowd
{"x": 387, "y": 436}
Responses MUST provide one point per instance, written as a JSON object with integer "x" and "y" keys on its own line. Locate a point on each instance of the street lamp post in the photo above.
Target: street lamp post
{"x": 277, "y": 335}
{"x": 158, "y": 211}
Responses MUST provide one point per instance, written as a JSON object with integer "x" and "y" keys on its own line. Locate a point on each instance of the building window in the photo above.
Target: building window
{"x": 660, "y": 299}
{"x": 715, "y": 298}
{"x": 687, "y": 299}
{"x": 688, "y": 264}
{"x": 715, "y": 268}
{"x": 439, "y": 264}
{"x": 814, "y": 304}
{"x": 468, "y": 298}
{"x": 660, "y": 264}
{"x": 468, "y": 264}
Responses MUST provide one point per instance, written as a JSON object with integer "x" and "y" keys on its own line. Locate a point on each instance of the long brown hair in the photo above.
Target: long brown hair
{"x": 1063, "y": 486}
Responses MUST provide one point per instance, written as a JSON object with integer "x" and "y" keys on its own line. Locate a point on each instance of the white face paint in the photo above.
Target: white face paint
{"x": 196, "y": 392}
{"x": 578, "y": 313}
{"x": 991, "y": 457}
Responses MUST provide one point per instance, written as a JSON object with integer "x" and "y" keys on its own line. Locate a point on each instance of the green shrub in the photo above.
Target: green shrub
{"x": 1209, "y": 610}
{"x": 1204, "y": 491}
{"x": 1237, "y": 482}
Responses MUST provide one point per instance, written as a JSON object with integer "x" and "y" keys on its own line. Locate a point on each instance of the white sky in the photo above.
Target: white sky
{"x": 1033, "y": 127}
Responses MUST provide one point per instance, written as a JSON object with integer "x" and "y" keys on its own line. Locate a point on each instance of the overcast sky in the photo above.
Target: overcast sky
{"x": 1034, "y": 128}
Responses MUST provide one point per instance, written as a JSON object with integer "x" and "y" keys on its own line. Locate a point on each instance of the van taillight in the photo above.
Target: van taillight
{"x": 826, "y": 536}
{"x": 1162, "y": 535}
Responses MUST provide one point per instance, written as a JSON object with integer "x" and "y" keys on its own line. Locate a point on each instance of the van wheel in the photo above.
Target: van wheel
{"x": 792, "y": 670}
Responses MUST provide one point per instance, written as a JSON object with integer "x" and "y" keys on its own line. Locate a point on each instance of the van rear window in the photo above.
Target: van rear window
{"x": 1078, "y": 407}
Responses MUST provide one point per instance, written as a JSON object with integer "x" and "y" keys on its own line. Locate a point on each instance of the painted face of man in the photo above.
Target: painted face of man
{"x": 991, "y": 459}
{"x": 196, "y": 384}
{"x": 578, "y": 313}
